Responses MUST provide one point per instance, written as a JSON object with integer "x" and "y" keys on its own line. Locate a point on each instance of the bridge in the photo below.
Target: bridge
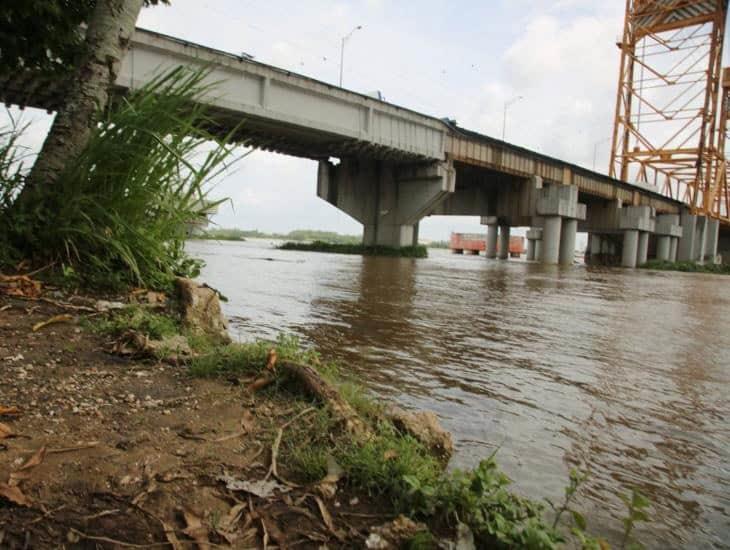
{"x": 388, "y": 167}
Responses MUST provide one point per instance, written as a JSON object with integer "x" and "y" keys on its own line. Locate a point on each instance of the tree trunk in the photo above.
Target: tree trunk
{"x": 110, "y": 29}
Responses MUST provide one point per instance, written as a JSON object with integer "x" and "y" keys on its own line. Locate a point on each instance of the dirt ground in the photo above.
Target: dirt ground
{"x": 108, "y": 452}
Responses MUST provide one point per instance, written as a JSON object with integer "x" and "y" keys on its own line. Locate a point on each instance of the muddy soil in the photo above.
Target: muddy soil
{"x": 108, "y": 452}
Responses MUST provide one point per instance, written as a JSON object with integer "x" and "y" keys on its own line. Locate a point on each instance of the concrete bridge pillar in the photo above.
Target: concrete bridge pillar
{"x": 630, "y": 248}
{"x": 492, "y": 232}
{"x": 552, "y": 226}
{"x": 567, "y": 241}
{"x": 504, "y": 242}
{"x": 560, "y": 211}
{"x": 388, "y": 198}
{"x": 534, "y": 242}
{"x": 711, "y": 239}
{"x": 636, "y": 222}
{"x": 663, "y": 247}
{"x": 667, "y": 231}
{"x": 643, "y": 250}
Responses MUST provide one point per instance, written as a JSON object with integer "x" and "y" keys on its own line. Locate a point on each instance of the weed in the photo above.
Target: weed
{"x": 154, "y": 325}
{"x": 248, "y": 357}
{"x": 119, "y": 213}
{"x": 636, "y": 503}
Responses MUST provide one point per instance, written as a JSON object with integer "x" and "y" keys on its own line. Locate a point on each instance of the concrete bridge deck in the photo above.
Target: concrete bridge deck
{"x": 397, "y": 165}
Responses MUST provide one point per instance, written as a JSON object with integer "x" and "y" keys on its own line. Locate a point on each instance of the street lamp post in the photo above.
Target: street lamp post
{"x": 342, "y": 50}
{"x": 504, "y": 116}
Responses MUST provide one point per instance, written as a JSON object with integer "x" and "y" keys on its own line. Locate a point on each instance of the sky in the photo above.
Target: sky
{"x": 462, "y": 59}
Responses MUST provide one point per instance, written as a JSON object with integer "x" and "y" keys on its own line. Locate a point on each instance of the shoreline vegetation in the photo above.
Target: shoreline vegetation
{"x": 687, "y": 267}
{"x": 358, "y": 444}
{"x": 295, "y": 236}
{"x": 360, "y": 249}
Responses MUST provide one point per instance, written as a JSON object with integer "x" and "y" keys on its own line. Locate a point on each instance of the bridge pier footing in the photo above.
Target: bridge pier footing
{"x": 559, "y": 211}
{"x": 388, "y": 198}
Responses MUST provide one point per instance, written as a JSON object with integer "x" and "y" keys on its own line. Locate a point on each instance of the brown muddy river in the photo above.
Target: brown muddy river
{"x": 623, "y": 373}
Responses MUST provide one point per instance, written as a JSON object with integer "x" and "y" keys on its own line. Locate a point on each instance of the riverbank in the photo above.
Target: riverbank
{"x": 687, "y": 267}
{"x": 111, "y": 438}
{"x": 359, "y": 249}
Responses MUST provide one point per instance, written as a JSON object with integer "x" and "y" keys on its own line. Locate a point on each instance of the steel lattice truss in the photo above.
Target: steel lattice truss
{"x": 670, "y": 127}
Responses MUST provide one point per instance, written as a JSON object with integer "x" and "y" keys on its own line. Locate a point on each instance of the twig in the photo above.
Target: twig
{"x": 65, "y": 305}
{"x": 101, "y": 514}
{"x": 89, "y": 445}
{"x": 275, "y": 447}
{"x": 228, "y": 437}
{"x": 118, "y": 542}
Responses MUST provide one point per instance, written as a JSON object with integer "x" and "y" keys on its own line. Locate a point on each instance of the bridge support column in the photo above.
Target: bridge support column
{"x": 642, "y": 254}
{"x": 504, "y": 242}
{"x": 636, "y": 222}
{"x": 534, "y": 242}
{"x": 667, "y": 231}
{"x": 711, "y": 239}
{"x": 530, "y": 257}
{"x": 630, "y": 248}
{"x": 388, "y": 198}
{"x": 492, "y": 229}
{"x": 663, "y": 248}
{"x": 551, "y": 239}
{"x": 686, "y": 250}
{"x": 567, "y": 241}
{"x": 560, "y": 211}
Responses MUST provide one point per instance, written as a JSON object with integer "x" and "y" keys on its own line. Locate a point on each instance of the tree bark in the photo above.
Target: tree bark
{"x": 109, "y": 31}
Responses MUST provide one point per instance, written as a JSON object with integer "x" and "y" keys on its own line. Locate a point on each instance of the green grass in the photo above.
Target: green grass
{"x": 118, "y": 214}
{"x": 687, "y": 267}
{"x": 155, "y": 326}
{"x": 360, "y": 249}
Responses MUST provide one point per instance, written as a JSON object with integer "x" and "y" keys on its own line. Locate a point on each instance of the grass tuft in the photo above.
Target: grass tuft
{"x": 119, "y": 214}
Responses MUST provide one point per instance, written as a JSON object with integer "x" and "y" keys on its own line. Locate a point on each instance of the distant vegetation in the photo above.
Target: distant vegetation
{"x": 688, "y": 267}
{"x": 438, "y": 244}
{"x": 299, "y": 235}
{"x": 337, "y": 248}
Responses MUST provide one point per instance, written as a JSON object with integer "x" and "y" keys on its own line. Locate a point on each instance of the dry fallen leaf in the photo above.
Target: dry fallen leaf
{"x": 9, "y": 411}
{"x": 171, "y": 536}
{"x": 62, "y": 318}
{"x": 263, "y": 488}
{"x": 13, "y": 494}
{"x": 6, "y": 431}
{"x": 327, "y": 517}
{"x": 24, "y": 472}
{"x": 196, "y": 530}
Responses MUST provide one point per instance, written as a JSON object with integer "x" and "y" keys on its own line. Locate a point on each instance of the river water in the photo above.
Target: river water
{"x": 623, "y": 373}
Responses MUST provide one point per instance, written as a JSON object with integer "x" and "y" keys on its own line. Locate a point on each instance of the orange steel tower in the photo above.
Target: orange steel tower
{"x": 670, "y": 127}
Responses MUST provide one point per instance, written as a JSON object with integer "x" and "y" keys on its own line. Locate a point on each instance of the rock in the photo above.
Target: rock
{"x": 201, "y": 310}
{"x": 394, "y": 533}
{"x": 425, "y": 427}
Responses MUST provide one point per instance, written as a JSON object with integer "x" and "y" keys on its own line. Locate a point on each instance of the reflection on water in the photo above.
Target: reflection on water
{"x": 624, "y": 373}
